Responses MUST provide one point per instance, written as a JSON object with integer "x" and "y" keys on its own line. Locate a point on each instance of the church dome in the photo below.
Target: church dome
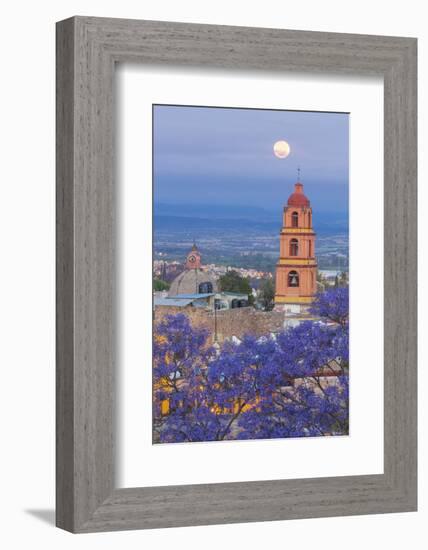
{"x": 298, "y": 198}
{"x": 193, "y": 281}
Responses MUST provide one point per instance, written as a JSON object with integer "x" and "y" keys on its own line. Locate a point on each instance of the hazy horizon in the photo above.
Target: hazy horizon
{"x": 224, "y": 156}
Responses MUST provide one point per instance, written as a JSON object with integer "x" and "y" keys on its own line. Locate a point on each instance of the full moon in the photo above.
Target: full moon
{"x": 281, "y": 149}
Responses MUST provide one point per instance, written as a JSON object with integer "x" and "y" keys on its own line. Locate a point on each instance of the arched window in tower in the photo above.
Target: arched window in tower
{"x": 293, "y": 279}
{"x": 310, "y": 249}
{"x": 205, "y": 288}
{"x": 309, "y": 219}
{"x": 294, "y": 247}
{"x": 294, "y": 219}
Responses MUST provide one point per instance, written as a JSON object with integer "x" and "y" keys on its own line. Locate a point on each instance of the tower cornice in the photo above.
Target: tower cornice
{"x": 297, "y": 231}
{"x": 301, "y": 262}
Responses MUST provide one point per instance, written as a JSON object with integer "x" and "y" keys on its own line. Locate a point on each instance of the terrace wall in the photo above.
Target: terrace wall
{"x": 230, "y": 322}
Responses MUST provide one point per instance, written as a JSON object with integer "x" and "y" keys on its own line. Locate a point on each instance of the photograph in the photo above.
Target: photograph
{"x": 250, "y": 274}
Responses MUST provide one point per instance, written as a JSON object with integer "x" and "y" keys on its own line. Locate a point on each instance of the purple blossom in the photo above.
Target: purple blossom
{"x": 292, "y": 385}
{"x": 333, "y": 304}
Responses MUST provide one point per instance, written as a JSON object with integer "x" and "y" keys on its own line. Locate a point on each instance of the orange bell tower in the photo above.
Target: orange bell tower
{"x": 296, "y": 270}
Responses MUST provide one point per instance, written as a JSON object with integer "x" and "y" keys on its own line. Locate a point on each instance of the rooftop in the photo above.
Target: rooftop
{"x": 237, "y": 294}
{"x": 172, "y": 302}
{"x": 298, "y": 198}
{"x": 194, "y": 296}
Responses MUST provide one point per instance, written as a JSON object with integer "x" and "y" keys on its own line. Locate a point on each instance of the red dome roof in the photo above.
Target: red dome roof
{"x": 298, "y": 198}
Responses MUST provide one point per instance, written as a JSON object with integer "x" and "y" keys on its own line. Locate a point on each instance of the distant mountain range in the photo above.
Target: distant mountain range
{"x": 213, "y": 211}
{"x": 248, "y": 219}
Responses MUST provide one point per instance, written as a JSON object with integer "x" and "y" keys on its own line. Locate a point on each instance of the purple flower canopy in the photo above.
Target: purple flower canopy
{"x": 293, "y": 384}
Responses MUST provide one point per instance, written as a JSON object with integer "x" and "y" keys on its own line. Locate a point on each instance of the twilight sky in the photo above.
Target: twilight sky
{"x": 225, "y": 156}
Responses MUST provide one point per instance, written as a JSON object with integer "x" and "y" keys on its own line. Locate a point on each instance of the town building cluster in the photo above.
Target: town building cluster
{"x": 195, "y": 290}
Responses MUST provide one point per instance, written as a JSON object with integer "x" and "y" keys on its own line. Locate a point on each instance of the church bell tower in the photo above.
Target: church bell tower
{"x": 193, "y": 260}
{"x": 296, "y": 270}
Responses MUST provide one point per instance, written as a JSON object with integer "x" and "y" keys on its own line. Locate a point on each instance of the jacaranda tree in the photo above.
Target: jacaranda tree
{"x": 293, "y": 384}
{"x": 333, "y": 304}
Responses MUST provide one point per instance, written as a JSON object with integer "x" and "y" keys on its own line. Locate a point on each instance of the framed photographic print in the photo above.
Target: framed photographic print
{"x": 236, "y": 274}
{"x": 235, "y": 330}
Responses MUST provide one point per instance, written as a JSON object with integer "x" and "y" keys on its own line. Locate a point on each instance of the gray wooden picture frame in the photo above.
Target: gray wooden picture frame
{"x": 87, "y": 50}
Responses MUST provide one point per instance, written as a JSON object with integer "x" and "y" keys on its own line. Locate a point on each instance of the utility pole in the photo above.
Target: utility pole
{"x": 215, "y": 321}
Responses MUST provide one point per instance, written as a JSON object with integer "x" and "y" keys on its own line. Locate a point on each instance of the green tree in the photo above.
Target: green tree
{"x": 159, "y": 285}
{"x": 343, "y": 282}
{"x": 233, "y": 282}
{"x": 320, "y": 278}
{"x": 267, "y": 294}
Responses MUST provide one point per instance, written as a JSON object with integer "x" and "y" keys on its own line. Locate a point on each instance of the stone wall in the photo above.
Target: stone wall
{"x": 230, "y": 322}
